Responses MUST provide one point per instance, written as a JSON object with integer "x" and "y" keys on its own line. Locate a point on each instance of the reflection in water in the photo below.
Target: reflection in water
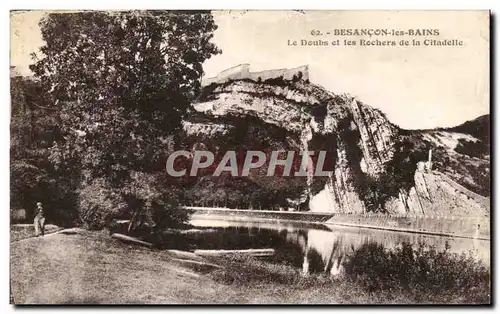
{"x": 312, "y": 248}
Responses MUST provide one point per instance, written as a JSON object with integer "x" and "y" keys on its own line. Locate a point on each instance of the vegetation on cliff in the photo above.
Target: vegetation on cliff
{"x": 360, "y": 133}
{"x": 114, "y": 140}
{"x": 257, "y": 190}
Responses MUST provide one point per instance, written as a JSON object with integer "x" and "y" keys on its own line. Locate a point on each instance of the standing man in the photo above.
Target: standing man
{"x": 39, "y": 221}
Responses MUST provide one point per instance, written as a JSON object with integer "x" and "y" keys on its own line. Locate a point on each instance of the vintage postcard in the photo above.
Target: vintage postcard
{"x": 250, "y": 157}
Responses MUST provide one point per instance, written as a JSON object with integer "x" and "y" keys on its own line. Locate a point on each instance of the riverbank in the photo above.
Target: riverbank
{"x": 25, "y": 231}
{"x": 462, "y": 227}
{"x": 91, "y": 268}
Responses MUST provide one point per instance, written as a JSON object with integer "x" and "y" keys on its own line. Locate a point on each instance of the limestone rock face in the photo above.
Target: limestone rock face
{"x": 377, "y": 136}
{"x": 360, "y": 138}
{"x": 340, "y": 194}
{"x": 273, "y": 104}
{"x": 309, "y": 110}
{"x": 434, "y": 194}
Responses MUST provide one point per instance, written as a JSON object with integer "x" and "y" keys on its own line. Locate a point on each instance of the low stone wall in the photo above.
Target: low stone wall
{"x": 467, "y": 227}
{"x": 470, "y": 227}
{"x": 265, "y": 214}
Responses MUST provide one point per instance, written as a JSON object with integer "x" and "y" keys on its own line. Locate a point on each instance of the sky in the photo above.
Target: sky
{"x": 416, "y": 87}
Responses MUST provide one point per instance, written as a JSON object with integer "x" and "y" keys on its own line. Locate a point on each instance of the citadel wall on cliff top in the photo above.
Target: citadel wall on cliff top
{"x": 242, "y": 71}
{"x": 361, "y": 138}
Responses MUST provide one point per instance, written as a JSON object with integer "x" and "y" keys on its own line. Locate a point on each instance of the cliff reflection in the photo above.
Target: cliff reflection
{"x": 312, "y": 248}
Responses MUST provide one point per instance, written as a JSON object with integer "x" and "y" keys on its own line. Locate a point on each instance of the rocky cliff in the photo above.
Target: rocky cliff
{"x": 373, "y": 162}
{"x": 435, "y": 194}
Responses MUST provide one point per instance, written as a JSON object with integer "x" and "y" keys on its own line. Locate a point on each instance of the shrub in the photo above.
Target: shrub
{"x": 300, "y": 75}
{"x": 320, "y": 112}
{"x": 30, "y": 184}
{"x": 278, "y": 81}
{"x": 297, "y": 77}
{"x": 472, "y": 149}
{"x": 424, "y": 272}
{"x": 372, "y": 274}
{"x": 206, "y": 92}
{"x": 98, "y": 204}
{"x": 145, "y": 198}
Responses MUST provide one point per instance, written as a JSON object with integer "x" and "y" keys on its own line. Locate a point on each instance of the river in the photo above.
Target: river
{"x": 312, "y": 247}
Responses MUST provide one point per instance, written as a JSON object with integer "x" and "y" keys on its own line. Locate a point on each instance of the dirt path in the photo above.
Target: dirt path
{"x": 21, "y": 232}
{"x": 93, "y": 268}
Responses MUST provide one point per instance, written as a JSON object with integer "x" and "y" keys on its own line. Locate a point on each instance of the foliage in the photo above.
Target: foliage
{"x": 319, "y": 112}
{"x": 30, "y": 184}
{"x": 372, "y": 274}
{"x": 479, "y": 128}
{"x": 297, "y": 77}
{"x": 121, "y": 83}
{"x": 257, "y": 190}
{"x": 207, "y": 92}
{"x": 473, "y": 149}
{"x": 33, "y": 179}
{"x": 277, "y": 81}
{"x": 154, "y": 206}
{"x": 424, "y": 272}
{"x": 98, "y": 201}
{"x": 398, "y": 175}
{"x": 473, "y": 173}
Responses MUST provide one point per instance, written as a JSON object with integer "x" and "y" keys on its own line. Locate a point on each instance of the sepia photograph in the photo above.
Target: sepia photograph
{"x": 250, "y": 157}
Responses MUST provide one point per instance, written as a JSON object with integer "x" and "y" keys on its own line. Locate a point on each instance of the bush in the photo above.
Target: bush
{"x": 144, "y": 198}
{"x": 30, "y": 184}
{"x": 371, "y": 274}
{"x": 424, "y": 272}
{"x": 472, "y": 149}
{"x": 206, "y": 93}
{"x": 98, "y": 204}
{"x": 278, "y": 81}
{"x": 320, "y": 112}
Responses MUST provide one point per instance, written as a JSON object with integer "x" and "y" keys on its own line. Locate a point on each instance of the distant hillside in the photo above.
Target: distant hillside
{"x": 462, "y": 152}
{"x": 479, "y": 128}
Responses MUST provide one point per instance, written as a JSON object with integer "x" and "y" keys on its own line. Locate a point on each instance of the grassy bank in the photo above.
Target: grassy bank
{"x": 90, "y": 267}
{"x": 373, "y": 275}
{"x": 25, "y": 231}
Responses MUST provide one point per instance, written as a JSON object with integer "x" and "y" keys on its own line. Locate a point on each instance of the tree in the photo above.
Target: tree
{"x": 121, "y": 83}
{"x": 32, "y": 177}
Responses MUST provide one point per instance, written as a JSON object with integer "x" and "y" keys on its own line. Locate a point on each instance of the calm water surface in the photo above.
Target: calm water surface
{"x": 311, "y": 247}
